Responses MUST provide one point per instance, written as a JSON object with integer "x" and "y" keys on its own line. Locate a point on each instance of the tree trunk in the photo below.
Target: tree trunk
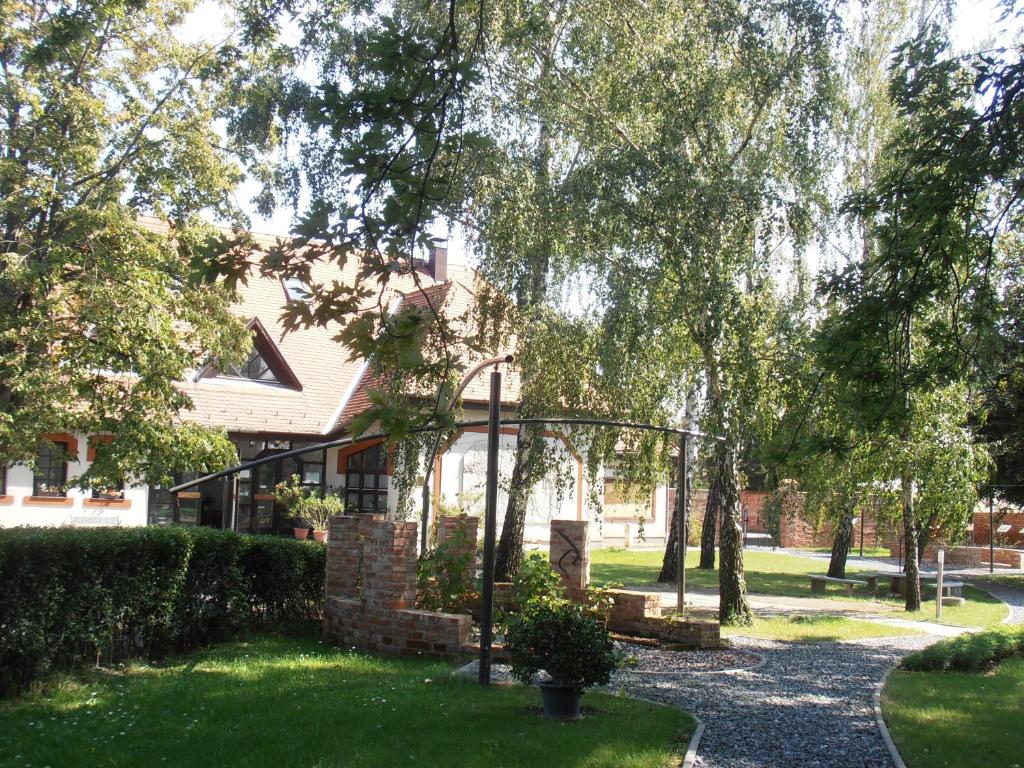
{"x": 509, "y": 554}
{"x": 669, "y": 563}
{"x": 732, "y": 586}
{"x": 712, "y": 513}
{"x": 910, "y": 537}
{"x": 841, "y": 546}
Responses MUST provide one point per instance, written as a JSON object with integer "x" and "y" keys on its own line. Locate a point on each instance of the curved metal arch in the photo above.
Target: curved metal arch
{"x": 419, "y": 430}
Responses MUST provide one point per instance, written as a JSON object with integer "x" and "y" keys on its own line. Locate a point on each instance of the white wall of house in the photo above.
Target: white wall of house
{"x": 463, "y": 477}
{"x": 77, "y": 508}
{"x": 618, "y": 528}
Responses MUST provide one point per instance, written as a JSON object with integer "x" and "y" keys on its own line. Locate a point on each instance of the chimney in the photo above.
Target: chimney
{"x": 439, "y": 264}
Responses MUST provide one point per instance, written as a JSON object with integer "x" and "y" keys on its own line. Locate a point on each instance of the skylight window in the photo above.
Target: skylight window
{"x": 296, "y": 289}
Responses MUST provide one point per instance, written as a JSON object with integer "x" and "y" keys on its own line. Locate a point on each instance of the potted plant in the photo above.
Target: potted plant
{"x": 290, "y": 495}
{"x": 568, "y": 642}
{"x": 319, "y": 513}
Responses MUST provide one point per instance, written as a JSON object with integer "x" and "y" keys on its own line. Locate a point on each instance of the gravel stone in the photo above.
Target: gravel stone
{"x": 808, "y": 706}
{"x": 651, "y": 660}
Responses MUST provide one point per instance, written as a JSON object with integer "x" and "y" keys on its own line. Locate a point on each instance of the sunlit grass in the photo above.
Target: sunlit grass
{"x": 297, "y": 702}
{"x": 817, "y": 628}
{"x": 942, "y": 719}
{"x": 776, "y": 573}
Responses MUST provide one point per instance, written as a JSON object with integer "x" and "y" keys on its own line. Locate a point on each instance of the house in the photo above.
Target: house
{"x": 298, "y": 389}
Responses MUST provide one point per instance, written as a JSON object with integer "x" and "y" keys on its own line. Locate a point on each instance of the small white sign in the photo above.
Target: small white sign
{"x": 1004, "y": 528}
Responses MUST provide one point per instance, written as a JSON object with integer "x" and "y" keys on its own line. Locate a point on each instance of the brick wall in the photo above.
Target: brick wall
{"x": 462, "y": 529}
{"x": 972, "y": 557}
{"x": 569, "y": 554}
{"x": 636, "y": 614}
{"x": 1001, "y": 516}
{"x": 371, "y": 591}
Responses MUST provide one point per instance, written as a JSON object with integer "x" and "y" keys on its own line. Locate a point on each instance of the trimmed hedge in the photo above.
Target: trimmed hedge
{"x": 100, "y": 594}
{"x": 973, "y": 652}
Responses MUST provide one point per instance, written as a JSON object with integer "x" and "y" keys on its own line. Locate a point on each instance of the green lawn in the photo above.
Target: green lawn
{"x": 956, "y": 719}
{"x": 855, "y": 552}
{"x": 769, "y": 573}
{"x": 297, "y": 702}
{"x": 817, "y": 628}
{"x": 776, "y": 573}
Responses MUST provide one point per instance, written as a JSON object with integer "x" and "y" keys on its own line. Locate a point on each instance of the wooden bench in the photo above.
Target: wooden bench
{"x": 819, "y": 581}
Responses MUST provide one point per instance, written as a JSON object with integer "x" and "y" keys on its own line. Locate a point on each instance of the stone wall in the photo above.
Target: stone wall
{"x": 371, "y": 591}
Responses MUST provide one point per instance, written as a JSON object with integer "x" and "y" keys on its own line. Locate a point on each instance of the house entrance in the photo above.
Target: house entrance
{"x": 257, "y": 512}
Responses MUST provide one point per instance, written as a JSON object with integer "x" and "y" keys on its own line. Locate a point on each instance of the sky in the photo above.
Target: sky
{"x": 974, "y": 28}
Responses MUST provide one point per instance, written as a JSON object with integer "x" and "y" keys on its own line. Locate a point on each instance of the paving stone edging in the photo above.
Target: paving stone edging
{"x": 690, "y": 759}
{"x": 876, "y": 703}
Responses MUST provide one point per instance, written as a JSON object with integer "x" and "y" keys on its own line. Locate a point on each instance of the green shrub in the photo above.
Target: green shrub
{"x": 565, "y": 640}
{"x": 444, "y": 575}
{"x": 72, "y": 595}
{"x": 536, "y": 581}
{"x": 975, "y": 652}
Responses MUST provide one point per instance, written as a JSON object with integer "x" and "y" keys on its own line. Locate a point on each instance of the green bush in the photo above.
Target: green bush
{"x": 72, "y": 595}
{"x": 975, "y": 652}
{"x": 444, "y": 575}
{"x": 536, "y": 581}
{"x": 565, "y": 640}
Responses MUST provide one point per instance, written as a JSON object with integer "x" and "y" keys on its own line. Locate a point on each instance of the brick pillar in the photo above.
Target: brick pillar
{"x": 464, "y": 527}
{"x": 343, "y": 546}
{"x": 569, "y": 554}
{"x": 389, "y": 565}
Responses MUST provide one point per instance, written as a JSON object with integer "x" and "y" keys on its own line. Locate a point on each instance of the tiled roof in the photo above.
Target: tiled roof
{"x": 456, "y": 298}
{"x": 329, "y": 379}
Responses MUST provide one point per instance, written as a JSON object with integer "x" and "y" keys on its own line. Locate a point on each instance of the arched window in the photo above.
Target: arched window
{"x": 366, "y": 480}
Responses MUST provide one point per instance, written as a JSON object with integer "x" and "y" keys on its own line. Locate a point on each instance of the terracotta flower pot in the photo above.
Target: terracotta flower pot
{"x": 301, "y": 533}
{"x": 320, "y": 535}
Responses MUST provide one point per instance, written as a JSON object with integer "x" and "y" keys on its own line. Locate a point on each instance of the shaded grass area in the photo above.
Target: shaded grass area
{"x": 855, "y": 551}
{"x": 297, "y": 702}
{"x": 817, "y": 628}
{"x": 776, "y": 573}
{"x": 956, "y": 719}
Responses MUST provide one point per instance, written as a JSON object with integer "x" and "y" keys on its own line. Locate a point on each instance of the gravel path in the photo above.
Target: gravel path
{"x": 808, "y": 705}
{"x": 651, "y": 660}
{"x": 1012, "y": 596}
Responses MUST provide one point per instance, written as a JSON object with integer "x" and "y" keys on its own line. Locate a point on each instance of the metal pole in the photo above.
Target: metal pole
{"x": 862, "y": 515}
{"x": 425, "y": 512}
{"x": 991, "y": 536}
{"x": 682, "y": 507}
{"x": 490, "y": 524}
{"x": 938, "y": 587}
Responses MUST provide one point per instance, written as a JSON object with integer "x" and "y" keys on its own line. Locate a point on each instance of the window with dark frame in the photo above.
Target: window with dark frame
{"x": 255, "y": 368}
{"x": 366, "y": 480}
{"x": 51, "y": 472}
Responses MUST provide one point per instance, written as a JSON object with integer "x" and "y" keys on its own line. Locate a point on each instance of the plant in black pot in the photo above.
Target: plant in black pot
{"x": 566, "y": 641}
